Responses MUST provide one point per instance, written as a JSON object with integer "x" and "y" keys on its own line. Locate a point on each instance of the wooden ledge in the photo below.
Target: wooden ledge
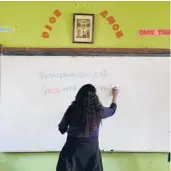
{"x": 84, "y": 51}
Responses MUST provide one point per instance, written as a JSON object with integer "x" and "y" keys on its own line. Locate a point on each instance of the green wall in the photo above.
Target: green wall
{"x": 29, "y": 19}
{"x": 112, "y": 162}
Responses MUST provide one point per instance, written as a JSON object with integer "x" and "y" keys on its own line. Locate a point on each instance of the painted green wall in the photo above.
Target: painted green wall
{"x": 112, "y": 162}
{"x": 29, "y": 19}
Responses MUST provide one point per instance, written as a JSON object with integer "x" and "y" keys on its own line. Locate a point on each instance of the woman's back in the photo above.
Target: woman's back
{"x": 82, "y": 121}
{"x": 76, "y": 129}
{"x": 84, "y": 115}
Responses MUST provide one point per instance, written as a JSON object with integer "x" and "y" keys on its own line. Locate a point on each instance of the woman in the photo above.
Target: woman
{"x": 81, "y": 121}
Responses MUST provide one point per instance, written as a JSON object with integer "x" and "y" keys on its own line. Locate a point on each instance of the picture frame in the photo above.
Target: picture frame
{"x": 83, "y": 28}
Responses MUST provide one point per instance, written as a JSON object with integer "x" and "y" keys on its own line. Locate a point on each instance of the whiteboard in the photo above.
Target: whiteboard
{"x": 36, "y": 90}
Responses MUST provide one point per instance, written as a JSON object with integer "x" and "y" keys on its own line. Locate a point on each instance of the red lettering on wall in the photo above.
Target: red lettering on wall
{"x": 153, "y": 32}
{"x": 57, "y": 13}
{"x": 111, "y": 20}
{"x": 48, "y": 27}
{"x": 104, "y": 14}
{"x": 164, "y": 32}
{"x": 45, "y": 35}
{"x": 119, "y": 34}
{"x": 52, "y": 20}
{"x": 167, "y": 32}
{"x": 116, "y": 27}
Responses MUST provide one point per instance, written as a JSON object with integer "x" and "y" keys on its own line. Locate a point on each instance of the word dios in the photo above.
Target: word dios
{"x": 52, "y": 20}
{"x": 112, "y": 21}
{"x": 154, "y": 32}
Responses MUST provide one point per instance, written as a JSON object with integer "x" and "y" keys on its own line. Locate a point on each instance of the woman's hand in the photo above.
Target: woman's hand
{"x": 114, "y": 93}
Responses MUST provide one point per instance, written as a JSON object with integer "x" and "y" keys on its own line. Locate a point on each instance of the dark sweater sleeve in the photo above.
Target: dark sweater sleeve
{"x": 109, "y": 111}
{"x": 63, "y": 125}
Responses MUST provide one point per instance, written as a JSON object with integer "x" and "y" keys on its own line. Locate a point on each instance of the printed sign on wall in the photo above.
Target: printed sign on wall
{"x": 7, "y": 29}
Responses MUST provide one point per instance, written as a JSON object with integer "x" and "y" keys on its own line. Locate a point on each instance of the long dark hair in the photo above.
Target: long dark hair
{"x": 88, "y": 108}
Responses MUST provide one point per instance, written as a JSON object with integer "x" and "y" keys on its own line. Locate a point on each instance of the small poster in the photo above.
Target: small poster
{"x": 83, "y": 28}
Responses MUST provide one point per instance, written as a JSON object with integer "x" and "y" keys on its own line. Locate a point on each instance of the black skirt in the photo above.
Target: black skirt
{"x": 80, "y": 154}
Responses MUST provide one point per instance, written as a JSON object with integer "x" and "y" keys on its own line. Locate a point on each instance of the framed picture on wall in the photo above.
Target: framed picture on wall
{"x": 83, "y": 28}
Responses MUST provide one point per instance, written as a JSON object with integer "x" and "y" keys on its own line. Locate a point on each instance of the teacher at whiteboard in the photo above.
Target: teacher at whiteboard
{"x": 81, "y": 121}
